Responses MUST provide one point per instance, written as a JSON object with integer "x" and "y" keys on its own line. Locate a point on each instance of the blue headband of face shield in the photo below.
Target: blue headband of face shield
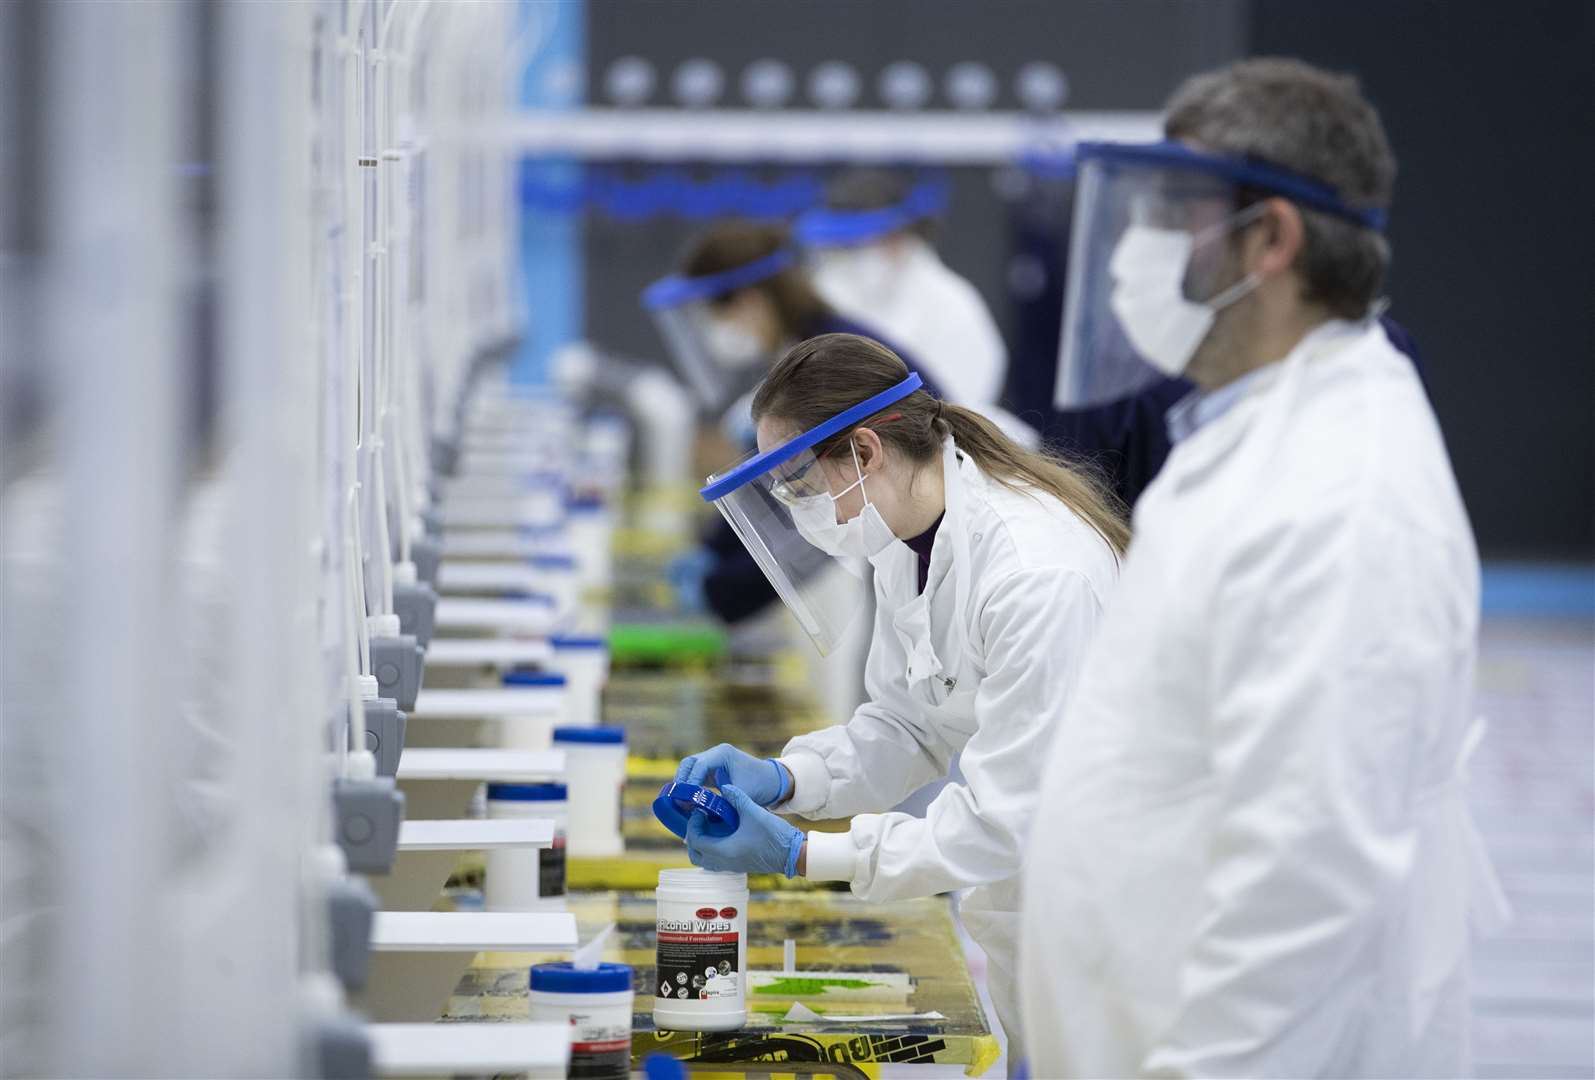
{"x": 760, "y": 464}
{"x": 678, "y": 289}
{"x": 1262, "y": 175}
{"x": 823, "y": 227}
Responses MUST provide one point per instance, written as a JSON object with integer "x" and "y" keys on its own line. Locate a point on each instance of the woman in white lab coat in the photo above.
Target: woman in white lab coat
{"x": 992, "y": 565}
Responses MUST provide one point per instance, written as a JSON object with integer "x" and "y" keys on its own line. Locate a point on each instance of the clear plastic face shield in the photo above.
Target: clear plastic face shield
{"x": 782, "y": 504}
{"x": 715, "y": 355}
{"x": 1153, "y": 263}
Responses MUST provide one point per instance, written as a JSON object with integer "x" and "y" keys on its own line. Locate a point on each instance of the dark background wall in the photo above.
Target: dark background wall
{"x": 1491, "y": 110}
{"x": 1490, "y": 107}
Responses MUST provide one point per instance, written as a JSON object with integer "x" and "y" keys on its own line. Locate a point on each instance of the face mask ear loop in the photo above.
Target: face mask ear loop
{"x": 1234, "y": 292}
{"x": 853, "y": 446}
{"x": 1238, "y": 220}
{"x": 856, "y": 483}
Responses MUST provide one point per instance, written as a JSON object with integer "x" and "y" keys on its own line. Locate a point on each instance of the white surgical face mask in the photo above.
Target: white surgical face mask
{"x": 863, "y": 536}
{"x": 1148, "y": 269}
{"x": 863, "y": 277}
{"x": 730, "y": 346}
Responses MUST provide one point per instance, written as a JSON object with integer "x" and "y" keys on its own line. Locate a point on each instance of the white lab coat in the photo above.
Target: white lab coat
{"x": 1253, "y": 855}
{"x": 937, "y": 316}
{"x": 981, "y": 662}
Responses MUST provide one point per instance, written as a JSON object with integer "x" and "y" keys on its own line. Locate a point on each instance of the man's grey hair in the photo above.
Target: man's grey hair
{"x": 1316, "y": 123}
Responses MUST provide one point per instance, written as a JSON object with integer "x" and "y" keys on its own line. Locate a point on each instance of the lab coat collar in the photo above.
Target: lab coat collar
{"x": 1221, "y": 426}
{"x": 949, "y": 566}
{"x": 957, "y": 469}
{"x": 1201, "y": 407}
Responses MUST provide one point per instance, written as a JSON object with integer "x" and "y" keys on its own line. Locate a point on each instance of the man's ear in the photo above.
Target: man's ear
{"x": 1276, "y": 239}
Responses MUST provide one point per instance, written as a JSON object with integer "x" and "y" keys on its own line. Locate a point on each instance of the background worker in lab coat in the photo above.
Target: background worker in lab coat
{"x": 992, "y": 566}
{"x": 872, "y": 259}
{"x": 1253, "y": 855}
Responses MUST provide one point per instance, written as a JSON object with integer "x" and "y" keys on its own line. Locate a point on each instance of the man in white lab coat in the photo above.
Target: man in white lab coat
{"x": 1253, "y": 855}
{"x": 872, "y": 260}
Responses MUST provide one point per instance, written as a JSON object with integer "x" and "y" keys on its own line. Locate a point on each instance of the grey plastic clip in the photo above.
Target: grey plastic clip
{"x": 427, "y": 553}
{"x": 397, "y": 662}
{"x": 445, "y": 455}
{"x": 337, "y": 1048}
{"x": 385, "y": 733}
{"x": 368, "y": 814}
{"x": 416, "y": 606}
{"x": 350, "y": 907}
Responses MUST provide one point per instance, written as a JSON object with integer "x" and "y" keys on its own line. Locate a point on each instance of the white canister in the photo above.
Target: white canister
{"x": 534, "y": 731}
{"x": 558, "y": 576}
{"x": 527, "y": 879}
{"x": 590, "y": 527}
{"x": 595, "y": 772}
{"x": 584, "y": 661}
{"x": 700, "y": 974}
{"x": 595, "y": 1005}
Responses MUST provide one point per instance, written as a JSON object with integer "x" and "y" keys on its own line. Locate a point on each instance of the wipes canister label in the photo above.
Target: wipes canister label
{"x": 600, "y": 1046}
{"x": 697, "y": 957}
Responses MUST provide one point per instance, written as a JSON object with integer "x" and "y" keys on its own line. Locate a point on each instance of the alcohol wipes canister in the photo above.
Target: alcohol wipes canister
{"x": 701, "y": 971}
{"x": 594, "y": 1004}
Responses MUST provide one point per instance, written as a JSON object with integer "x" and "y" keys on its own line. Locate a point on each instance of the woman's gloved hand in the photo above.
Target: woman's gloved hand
{"x": 762, "y": 844}
{"x": 686, "y": 573}
{"x": 762, "y": 779}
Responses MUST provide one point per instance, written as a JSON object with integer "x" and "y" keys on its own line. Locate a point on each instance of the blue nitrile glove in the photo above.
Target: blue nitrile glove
{"x": 686, "y": 573}
{"x": 762, "y": 844}
{"x": 762, "y": 778}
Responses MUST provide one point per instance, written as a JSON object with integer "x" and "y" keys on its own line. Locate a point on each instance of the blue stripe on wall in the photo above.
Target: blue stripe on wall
{"x": 1541, "y": 589}
{"x": 551, "y": 240}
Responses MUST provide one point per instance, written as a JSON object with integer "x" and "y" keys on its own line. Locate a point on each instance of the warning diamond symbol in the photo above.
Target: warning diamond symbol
{"x": 664, "y": 988}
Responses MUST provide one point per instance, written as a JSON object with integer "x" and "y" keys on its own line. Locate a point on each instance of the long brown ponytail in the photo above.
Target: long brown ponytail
{"x": 826, "y": 375}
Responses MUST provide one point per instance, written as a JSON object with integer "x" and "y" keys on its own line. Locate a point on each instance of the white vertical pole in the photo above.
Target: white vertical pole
{"x": 115, "y": 73}
{"x": 247, "y": 1006}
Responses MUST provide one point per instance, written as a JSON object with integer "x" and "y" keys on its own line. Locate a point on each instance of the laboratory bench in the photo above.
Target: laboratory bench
{"x": 834, "y": 933}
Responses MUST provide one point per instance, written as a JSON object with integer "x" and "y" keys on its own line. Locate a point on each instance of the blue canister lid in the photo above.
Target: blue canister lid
{"x": 606, "y": 736}
{"x": 559, "y": 641}
{"x": 561, "y": 977}
{"x": 676, "y": 803}
{"x": 552, "y": 562}
{"x": 534, "y": 678}
{"x": 528, "y": 792}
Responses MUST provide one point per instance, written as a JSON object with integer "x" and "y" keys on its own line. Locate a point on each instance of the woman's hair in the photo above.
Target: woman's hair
{"x": 730, "y": 244}
{"x": 826, "y": 375}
